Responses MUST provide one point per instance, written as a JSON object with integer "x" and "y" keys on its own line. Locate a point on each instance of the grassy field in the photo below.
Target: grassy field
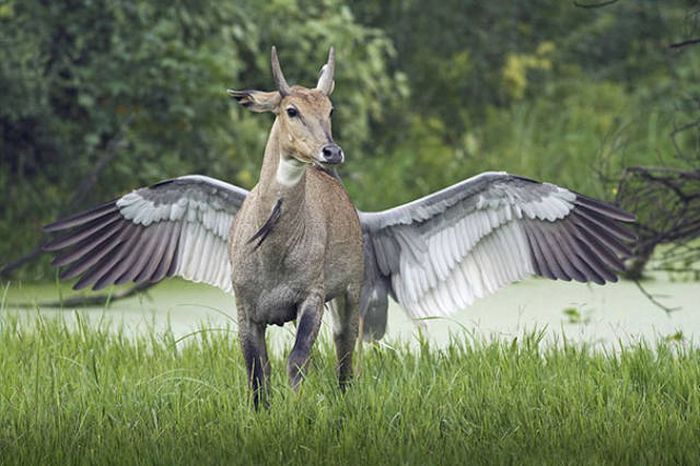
{"x": 95, "y": 396}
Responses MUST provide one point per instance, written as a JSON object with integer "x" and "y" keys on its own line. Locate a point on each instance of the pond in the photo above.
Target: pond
{"x": 604, "y": 316}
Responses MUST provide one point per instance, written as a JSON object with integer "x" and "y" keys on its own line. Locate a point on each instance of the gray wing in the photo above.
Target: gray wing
{"x": 177, "y": 227}
{"x": 436, "y": 255}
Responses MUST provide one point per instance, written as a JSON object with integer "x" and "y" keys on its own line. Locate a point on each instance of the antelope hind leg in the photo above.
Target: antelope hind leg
{"x": 345, "y": 328}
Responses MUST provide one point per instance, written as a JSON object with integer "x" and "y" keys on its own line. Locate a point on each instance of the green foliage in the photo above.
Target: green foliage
{"x": 427, "y": 94}
{"x": 542, "y": 89}
{"x": 92, "y": 396}
{"x": 141, "y": 85}
{"x": 577, "y": 317}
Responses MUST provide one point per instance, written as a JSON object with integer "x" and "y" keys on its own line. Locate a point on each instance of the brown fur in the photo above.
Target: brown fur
{"x": 314, "y": 251}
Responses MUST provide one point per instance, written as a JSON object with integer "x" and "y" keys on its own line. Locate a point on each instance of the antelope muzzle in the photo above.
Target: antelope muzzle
{"x": 332, "y": 154}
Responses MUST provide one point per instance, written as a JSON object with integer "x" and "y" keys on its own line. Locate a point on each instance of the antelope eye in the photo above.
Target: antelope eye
{"x": 292, "y": 112}
{"x": 332, "y": 110}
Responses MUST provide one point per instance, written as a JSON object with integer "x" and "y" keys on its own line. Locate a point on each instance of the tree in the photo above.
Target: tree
{"x": 116, "y": 94}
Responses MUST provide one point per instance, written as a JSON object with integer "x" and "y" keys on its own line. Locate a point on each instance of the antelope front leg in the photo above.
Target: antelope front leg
{"x": 310, "y": 312}
{"x": 252, "y": 337}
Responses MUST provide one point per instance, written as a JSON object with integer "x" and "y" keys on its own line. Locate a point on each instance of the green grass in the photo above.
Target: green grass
{"x": 93, "y": 395}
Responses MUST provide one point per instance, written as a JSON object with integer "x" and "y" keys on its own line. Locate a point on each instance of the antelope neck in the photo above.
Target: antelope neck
{"x": 281, "y": 178}
{"x": 289, "y": 171}
{"x": 280, "y": 173}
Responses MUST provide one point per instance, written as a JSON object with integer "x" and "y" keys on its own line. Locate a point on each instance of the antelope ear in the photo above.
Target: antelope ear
{"x": 257, "y": 101}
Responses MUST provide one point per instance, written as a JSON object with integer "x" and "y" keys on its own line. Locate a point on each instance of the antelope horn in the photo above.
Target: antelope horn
{"x": 282, "y": 85}
{"x": 325, "y": 79}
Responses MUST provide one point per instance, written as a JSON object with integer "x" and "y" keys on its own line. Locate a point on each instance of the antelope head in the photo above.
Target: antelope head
{"x": 303, "y": 116}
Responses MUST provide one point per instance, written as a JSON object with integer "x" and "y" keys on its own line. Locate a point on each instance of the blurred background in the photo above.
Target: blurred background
{"x": 102, "y": 96}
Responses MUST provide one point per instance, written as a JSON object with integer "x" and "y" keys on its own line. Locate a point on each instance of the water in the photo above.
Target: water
{"x": 604, "y": 316}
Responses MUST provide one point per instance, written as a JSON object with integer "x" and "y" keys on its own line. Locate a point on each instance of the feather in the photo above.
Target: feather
{"x": 267, "y": 227}
{"x": 81, "y": 233}
{"x": 161, "y": 239}
{"x": 170, "y": 254}
{"x": 88, "y": 261}
{"x": 82, "y": 218}
{"x": 606, "y": 209}
{"x": 87, "y": 246}
{"x": 566, "y": 270}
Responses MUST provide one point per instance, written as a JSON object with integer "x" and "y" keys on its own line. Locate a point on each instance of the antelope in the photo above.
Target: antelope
{"x": 296, "y": 241}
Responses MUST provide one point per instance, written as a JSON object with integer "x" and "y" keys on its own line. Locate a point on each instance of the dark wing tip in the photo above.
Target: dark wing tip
{"x": 48, "y": 245}
{"x": 83, "y": 217}
{"x": 606, "y": 208}
{"x": 590, "y": 244}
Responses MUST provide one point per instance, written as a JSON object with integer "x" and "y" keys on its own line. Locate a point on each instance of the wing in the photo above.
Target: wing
{"x": 175, "y": 227}
{"x": 441, "y": 252}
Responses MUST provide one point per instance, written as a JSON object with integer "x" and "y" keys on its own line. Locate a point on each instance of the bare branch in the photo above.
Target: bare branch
{"x": 655, "y": 301}
{"x": 594, "y": 5}
{"x": 666, "y": 202}
{"x": 684, "y": 43}
{"x": 90, "y": 301}
{"x": 15, "y": 264}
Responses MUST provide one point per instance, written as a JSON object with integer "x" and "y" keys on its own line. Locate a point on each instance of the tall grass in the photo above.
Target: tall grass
{"x": 87, "y": 395}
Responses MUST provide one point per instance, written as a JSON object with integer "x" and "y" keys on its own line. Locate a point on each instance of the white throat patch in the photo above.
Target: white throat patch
{"x": 289, "y": 171}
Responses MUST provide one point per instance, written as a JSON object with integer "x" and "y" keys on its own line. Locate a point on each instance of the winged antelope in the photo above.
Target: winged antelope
{"x": 296, "y": 241}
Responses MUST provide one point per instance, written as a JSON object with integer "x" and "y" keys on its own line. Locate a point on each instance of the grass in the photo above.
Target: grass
{"x": 86, "y": 395}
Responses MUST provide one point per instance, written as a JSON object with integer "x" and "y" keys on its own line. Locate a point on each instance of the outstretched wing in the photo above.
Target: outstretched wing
{"x": 175, "y": 227}
{"x": 436, "y": 255}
